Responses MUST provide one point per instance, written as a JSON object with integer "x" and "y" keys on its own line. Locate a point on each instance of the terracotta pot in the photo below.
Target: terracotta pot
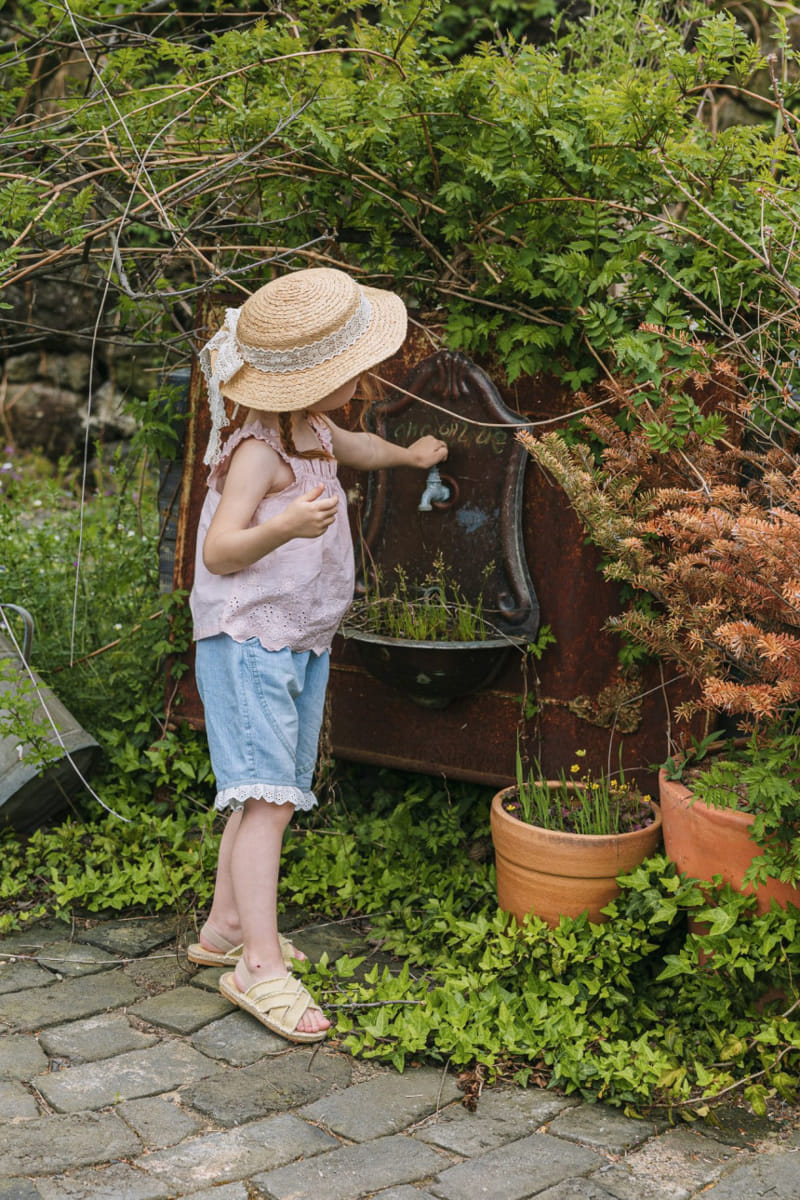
{"x": 703, "y": 841}
{"x": 554, "y": 874}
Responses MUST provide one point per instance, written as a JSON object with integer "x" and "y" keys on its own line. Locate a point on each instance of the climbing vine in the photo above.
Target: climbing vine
{"x": 579, "y": 207}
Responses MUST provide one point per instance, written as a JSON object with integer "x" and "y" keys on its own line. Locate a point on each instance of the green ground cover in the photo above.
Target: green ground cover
{"x": 638, "y": 1011}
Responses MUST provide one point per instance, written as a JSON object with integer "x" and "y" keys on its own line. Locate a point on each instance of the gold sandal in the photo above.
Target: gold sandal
{"x": 227, "y": 954}
{"x": 280, "y": 1004}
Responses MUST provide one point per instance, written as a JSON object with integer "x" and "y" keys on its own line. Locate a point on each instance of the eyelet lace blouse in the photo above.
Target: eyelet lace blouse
{"x": 297, "y": 594}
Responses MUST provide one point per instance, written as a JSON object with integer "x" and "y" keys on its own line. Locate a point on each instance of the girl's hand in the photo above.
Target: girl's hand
{"x": 427, "y": 452}
{"x": 310, "y": 514}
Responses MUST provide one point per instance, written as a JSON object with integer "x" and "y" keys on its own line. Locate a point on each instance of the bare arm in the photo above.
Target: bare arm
{"x": 369, "y": 452}
{"x": 231, "y": 542}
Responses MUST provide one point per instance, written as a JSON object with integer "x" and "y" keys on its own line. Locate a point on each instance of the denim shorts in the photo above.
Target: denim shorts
{"x": 263, "y": 712}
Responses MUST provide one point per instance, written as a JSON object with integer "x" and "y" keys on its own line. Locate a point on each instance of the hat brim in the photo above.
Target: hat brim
{"x": 287, "y": 391}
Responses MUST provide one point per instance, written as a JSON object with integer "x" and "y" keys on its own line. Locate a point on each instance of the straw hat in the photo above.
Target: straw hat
{"x": 296, "y": 340}
{"x": 304, "y": 335}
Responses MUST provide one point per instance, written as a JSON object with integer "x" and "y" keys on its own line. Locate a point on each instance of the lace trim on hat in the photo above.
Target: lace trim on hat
{"x": 233, "y": 354}
{"x": 235, "y": 797}
{"x": 301, "y": 358}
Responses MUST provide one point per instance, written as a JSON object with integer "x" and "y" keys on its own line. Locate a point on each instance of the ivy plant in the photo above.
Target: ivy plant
{"x": 639, "y": 1011}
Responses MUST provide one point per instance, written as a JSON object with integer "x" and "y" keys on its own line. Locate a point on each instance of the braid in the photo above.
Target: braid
{"x": 287, "y": 440}
{"x": 287, "y": 437}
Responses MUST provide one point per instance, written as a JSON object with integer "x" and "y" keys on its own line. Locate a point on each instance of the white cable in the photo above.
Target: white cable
{"x": 576, "y": 412}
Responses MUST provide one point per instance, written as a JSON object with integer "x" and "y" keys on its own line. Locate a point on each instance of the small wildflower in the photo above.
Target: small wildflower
{"x": 575, "y": 768}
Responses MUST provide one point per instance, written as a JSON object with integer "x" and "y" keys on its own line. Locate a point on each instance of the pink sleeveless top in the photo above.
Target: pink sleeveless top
{"x": 296, "y": 595}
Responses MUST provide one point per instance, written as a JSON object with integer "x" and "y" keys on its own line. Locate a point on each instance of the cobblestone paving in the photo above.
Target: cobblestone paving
{"x": 125, "y": 1076}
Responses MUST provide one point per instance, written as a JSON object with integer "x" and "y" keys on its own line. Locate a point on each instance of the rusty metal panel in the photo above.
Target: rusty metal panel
{"x": 473, "y": 738}
{"x": 584, "y": 699}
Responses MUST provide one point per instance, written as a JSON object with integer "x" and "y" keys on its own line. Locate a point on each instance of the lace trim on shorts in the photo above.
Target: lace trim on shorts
{"x": 234, "y": 797}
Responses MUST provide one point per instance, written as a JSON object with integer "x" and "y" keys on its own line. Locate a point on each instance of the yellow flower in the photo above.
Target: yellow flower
{"x": 580, "y": 754}
{"x": 574, "y": 768}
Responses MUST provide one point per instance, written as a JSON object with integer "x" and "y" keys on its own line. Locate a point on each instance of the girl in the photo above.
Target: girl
{"x": 273, "y": 577}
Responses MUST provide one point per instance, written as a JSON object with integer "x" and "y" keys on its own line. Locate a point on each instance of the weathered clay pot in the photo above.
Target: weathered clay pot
{"x": 554, "y": 874}
{"x": 703, "y": 842}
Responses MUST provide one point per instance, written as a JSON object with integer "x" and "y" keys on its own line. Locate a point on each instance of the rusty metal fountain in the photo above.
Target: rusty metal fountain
{"x": 469, "y": 516}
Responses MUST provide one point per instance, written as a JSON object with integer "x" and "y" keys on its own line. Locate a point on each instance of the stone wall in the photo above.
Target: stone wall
{"x": 57, "y": 372}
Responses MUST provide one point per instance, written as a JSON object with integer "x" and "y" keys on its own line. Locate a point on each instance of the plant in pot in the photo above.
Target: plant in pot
{"x": 703, "y": 524}
{"x": 560, "y": 844}
{"x": 736, "y": 805}
{"x": 426, "y": 637}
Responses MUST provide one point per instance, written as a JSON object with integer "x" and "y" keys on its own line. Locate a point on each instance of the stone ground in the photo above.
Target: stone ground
{"x": 124, "y": 1075}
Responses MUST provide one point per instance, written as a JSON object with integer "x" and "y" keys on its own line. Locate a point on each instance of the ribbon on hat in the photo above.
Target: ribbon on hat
{"x": 228, "y": 361}
{"x": 233, "y": 354}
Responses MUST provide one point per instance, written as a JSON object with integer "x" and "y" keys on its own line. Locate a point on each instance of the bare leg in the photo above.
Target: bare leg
{"x": 224, "y": 915}
{"x": 254, "y": 865}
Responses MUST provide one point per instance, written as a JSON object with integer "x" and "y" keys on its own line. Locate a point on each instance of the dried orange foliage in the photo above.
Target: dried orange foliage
{"x": 710, "y": 531}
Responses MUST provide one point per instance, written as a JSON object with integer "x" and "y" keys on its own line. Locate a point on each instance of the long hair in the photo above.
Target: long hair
{"x": 287, "y": 440}
{"x": 372, "y": 393}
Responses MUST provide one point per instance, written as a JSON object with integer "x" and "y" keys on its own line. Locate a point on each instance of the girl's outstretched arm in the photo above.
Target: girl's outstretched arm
{"x": 232, "y": 543}
{"x": 369, "y": 452}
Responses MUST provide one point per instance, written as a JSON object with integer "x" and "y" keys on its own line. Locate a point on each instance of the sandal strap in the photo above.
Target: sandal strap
{"x": 288, "y": 999}
{"x": 217, "y": 942}
{"x": 220, "y": 945}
